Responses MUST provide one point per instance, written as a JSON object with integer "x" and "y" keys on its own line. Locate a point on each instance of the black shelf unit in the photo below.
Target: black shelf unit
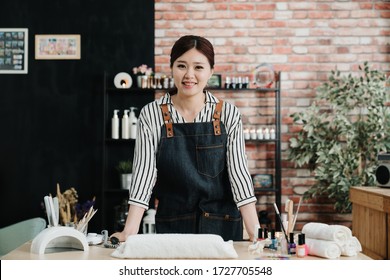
{"x": 276, "y": 189}
{"x": 115, "y": 150}
{"x": 277, "y": 180}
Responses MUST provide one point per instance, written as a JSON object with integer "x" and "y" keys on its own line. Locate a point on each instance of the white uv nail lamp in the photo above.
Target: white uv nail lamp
{"x": 59, "y": 238}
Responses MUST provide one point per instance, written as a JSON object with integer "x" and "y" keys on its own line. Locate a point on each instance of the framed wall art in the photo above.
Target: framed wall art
{"x": 262, "y": 181}
{"x": 57, "y": 46}
{"x": 13, "y": 50}
{"x": 215, "y": 81}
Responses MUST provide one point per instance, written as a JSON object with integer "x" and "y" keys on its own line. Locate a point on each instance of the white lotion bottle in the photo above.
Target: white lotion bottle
{"x": 133, "y": 123}
{"x": 115, "y": 125}
{"x": 125, "y": 125}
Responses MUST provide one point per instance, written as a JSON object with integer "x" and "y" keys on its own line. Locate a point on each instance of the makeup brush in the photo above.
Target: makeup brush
{"x": 280, "y": 221}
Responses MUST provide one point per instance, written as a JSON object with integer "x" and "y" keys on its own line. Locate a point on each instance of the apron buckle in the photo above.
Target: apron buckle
{"x": 167, "y": 120}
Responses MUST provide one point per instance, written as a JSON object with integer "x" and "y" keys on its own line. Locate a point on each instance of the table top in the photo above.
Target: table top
{"x": 381, "y": 191}
{"x": 99, "y": 252}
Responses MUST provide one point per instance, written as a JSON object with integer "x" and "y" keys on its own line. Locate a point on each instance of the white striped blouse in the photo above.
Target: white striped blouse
{"x": 148, "y": 137}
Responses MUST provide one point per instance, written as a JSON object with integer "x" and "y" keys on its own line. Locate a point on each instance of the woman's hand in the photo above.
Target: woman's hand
{"x": 133, "y": 221}
{"x": 251, "y": 219}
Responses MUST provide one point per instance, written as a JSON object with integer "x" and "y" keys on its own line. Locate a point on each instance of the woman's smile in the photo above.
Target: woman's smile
{"x": 188, "y": 84}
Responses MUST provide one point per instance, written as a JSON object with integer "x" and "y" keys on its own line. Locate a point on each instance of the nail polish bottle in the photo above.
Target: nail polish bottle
{"x": 274, "y": 244}
{"x": 227, "y": 82}
{"x": 239, "y": 82}
{"x": 304, "y": 243}
{"x": 301, "y": 248}
{"x": 265, "y": 233}
{"x": 245, "y": 82}
{"x": 291, "y": 245}
{"x": 260, "y": 234}
{"x": 234, "y": 82}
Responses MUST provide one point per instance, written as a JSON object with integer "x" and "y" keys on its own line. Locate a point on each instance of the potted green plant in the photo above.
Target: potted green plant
{"x": 341, "y": 133}
{"x": 125, "y": 169}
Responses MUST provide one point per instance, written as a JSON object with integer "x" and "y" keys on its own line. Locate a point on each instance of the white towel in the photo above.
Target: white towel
{"x": 175, "y": 246}
{"x": 323, "y": 248}
{"x": 340, "y": 234}
{"x": 351, "y": 247}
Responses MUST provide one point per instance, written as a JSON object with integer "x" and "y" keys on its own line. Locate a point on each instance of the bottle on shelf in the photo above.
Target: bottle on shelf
{"x": 132, "y": 123}
{"x": 115, "y": 125}
{"x": 272, "y": 133}
{"x": 267, "y": 135}
{"x": 125, "y": 125}
{"x": 227, "y": 82}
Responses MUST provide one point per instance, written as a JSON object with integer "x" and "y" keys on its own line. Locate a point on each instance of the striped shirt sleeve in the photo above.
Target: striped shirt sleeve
{"x": 239, "y": 176}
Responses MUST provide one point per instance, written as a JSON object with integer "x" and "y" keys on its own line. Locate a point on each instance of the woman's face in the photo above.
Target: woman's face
{"x": 191, "y": 71}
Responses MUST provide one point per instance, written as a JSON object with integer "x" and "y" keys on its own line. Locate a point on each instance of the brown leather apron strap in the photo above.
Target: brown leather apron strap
{"x": 217, "y": 118}
{"x": 167, "y": 120}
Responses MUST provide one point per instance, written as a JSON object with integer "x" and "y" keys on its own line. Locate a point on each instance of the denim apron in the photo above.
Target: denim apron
{"x": 193, "y": 187}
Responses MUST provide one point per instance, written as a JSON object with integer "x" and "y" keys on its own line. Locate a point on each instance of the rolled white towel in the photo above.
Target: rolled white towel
{"x": 351, "y": 247}
{"x": 323, "y": 248}
{"x": 337, "y": 233}
{"x": 175, "y": 246}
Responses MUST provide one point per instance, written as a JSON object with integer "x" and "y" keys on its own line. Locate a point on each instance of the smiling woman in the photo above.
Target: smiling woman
{"x": 191, "y": 71}
{"x": 190, "y": 55}
{"x": 190, "y": 154}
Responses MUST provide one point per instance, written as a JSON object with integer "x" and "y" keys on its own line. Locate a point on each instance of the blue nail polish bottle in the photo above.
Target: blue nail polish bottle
{"x": 274, "y": 244}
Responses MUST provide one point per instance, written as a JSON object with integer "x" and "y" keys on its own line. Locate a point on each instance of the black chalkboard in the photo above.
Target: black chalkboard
{"x": 51, "y": 118}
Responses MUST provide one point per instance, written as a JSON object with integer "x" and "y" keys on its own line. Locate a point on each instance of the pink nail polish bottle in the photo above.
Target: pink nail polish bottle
{"x": 304, "y": 242}
{"x": 301, "y": 247}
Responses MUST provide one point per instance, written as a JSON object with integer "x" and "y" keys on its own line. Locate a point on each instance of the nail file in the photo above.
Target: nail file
{"x": 48, "y": 210}
{"x": 289, "y": 208}
{"x": 56, "y": 209}
{"x": 53, "y": 214}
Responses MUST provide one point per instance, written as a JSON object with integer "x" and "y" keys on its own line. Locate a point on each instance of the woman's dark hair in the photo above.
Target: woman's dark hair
{"x": 189, "y": 42}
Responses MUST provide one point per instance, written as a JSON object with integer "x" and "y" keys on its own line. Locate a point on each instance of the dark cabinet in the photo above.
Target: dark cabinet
{"x": 272, "y": 150}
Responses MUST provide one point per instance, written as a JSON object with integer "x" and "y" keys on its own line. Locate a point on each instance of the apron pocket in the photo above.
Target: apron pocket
{"x": 176, "y": 224}
{"x": 229, "y": 227}
{"x": 210, "y": 159}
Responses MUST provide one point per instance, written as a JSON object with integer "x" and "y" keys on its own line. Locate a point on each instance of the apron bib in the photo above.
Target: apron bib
{"x": 192, "y": 185}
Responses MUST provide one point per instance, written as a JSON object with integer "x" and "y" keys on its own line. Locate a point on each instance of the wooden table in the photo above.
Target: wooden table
{"x": 371, "y": 220}
{"x": 98, "y": 252}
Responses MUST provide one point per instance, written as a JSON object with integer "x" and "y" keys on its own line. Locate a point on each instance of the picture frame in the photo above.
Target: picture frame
{"x": 56, "y": 47}
{"x": 215, "y": 81}
{"x": 262, "y": 181}
{"x": 13, "y": 50}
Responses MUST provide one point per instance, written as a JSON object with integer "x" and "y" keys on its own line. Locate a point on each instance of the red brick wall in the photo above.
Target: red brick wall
{"x": 303, "y": 39}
